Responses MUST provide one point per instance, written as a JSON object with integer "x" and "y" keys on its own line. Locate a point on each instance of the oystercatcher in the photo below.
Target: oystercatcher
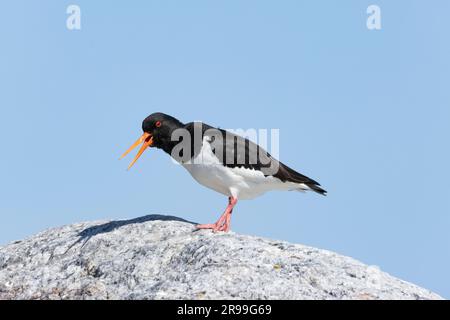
{"x": 220, "y": 160}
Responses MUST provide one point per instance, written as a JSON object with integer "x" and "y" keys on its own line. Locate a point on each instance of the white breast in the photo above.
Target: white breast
{"x": 241, "y": 183}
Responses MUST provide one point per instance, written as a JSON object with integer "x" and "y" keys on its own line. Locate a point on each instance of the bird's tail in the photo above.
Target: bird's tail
{"x": 317, "y": 188}
{"x": 287, "y": 174}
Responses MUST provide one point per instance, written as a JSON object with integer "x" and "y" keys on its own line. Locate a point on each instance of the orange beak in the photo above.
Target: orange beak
{"x": 147, "y": 140}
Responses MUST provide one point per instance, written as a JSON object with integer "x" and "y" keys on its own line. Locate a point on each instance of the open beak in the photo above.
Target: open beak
{"x": 147, "y": 140}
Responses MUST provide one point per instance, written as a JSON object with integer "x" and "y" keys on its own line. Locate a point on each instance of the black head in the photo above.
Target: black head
{"x": 158, "y": 128}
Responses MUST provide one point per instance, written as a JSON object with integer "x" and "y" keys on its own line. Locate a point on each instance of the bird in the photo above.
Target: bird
{"x": 220, "y": 160}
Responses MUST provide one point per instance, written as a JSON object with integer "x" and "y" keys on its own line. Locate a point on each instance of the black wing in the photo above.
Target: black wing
{"x": 236, "y": 151}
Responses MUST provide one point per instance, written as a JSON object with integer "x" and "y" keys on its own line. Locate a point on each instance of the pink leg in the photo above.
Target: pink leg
{"x": 224, "y": 222}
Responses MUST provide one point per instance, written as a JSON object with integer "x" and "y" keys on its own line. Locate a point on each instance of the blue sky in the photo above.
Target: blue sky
{"x": 366, "y": 113}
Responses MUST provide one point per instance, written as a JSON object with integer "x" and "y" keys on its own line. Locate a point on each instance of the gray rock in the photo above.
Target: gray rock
{"x": 160, "y": 257}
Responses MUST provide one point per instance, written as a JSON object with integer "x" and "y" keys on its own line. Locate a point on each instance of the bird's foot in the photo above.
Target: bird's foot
{"x": 224, "y": 222}
{"x": 215, "y": 227}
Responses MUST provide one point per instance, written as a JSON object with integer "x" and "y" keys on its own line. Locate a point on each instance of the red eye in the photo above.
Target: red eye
{"x": 158, "y": 124}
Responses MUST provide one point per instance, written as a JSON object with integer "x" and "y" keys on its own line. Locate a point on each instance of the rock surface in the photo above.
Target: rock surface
{"x": 160, "y": 257}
